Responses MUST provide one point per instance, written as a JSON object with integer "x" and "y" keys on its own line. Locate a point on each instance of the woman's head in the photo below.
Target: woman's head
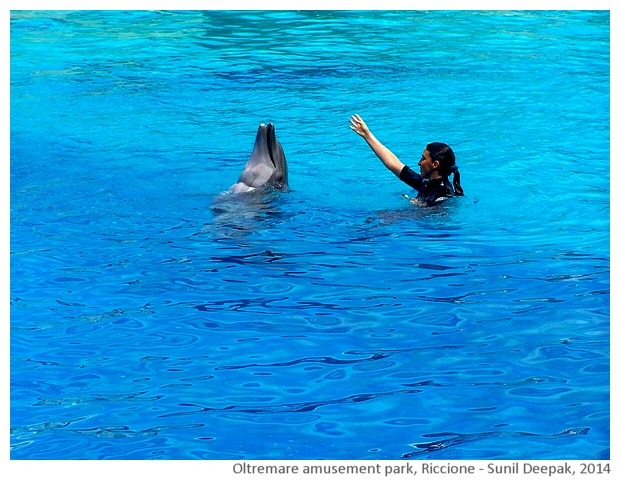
{"x": 443, "y": 154}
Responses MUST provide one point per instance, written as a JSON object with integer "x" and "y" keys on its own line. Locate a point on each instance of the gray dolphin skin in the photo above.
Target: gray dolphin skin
{"x": 267, "y": 164}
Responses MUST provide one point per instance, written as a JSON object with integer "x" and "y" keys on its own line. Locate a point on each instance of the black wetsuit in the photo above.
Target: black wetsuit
{"x": 430, "y": 192}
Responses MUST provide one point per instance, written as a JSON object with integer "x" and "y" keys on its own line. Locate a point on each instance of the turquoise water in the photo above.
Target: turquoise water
{"x": 153, "y": 317}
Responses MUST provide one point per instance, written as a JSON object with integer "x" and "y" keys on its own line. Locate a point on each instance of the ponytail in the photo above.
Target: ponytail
{"x": 458, "y": 190}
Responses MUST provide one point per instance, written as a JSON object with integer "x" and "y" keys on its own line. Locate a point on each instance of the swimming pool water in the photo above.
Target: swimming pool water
{"x": 153, "y": 317}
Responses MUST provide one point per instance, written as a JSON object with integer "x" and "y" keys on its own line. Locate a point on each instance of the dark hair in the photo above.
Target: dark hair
{"x": 447, "y": 163}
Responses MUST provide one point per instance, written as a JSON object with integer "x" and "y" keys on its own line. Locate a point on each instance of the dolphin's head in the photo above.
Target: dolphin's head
{"x": 267, "y": 164}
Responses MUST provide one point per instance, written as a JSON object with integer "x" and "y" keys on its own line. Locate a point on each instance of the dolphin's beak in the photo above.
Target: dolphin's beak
{"x": 271, "y": 141}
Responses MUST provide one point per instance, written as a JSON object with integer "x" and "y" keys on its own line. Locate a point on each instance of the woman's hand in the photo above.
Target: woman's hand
{"x": 359, "y": 126}
{"x": 390, "y": 160}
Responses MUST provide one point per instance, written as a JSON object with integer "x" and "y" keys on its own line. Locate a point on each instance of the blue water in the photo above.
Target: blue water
{"x": 153, "y": 317}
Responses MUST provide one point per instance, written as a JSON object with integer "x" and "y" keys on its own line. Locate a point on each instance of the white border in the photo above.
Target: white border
{"x": 222, "y": 470}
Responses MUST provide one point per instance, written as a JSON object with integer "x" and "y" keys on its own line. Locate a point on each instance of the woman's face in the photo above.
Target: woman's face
{"x": 427, "y": 166}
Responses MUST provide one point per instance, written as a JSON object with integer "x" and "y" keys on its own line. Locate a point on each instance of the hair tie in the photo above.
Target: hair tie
{"x": 454, "y": 169}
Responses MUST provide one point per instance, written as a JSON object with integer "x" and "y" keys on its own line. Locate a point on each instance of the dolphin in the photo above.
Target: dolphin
{"x": 267, "y": 164}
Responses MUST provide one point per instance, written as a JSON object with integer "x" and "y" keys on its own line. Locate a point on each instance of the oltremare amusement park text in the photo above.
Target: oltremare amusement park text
{"x": 474, "y": 469}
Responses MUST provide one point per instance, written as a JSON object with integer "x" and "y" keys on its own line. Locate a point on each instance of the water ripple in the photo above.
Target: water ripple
{"x": 292, "y": 407}
{"x": 456, "y": 439}
{"x": 326, "y": 360}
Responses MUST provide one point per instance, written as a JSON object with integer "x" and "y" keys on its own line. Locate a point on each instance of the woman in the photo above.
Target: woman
{"x": 436, "y": 165}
